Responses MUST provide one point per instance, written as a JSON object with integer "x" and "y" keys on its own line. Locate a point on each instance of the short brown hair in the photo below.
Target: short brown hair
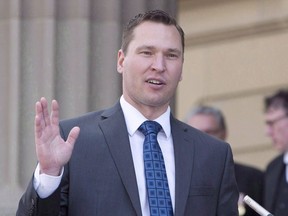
{"x": 157, "y": 16}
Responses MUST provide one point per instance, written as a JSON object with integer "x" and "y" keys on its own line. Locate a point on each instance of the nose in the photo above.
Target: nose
{"x": 159, "y": 63}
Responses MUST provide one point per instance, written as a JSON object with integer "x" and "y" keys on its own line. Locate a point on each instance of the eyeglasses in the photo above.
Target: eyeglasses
{"x": 271, "y": 123}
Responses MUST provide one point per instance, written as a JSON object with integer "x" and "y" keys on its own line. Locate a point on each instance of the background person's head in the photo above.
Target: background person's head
{"x": 209, "y": 120}
{"x": 276, "y": 119}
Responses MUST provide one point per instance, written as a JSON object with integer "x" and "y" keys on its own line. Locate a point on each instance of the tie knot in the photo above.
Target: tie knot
{"x": 149, "y": 127}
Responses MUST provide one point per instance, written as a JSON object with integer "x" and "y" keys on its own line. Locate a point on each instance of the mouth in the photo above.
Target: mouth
{"x": 154, "y": 82}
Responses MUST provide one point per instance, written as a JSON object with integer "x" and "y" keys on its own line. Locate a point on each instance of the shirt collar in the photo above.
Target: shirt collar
{"x": 134, "y": 118}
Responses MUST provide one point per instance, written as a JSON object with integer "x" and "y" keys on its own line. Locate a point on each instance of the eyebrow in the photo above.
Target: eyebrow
{"x": 145, "y": 47}
{"x": 175, "y": 51}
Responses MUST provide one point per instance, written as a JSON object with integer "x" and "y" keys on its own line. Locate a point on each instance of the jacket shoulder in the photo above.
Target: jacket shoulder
{"x": 275, "y": 162}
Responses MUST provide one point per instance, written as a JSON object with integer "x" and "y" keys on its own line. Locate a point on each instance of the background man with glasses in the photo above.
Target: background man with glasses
{"x": 276, "y": 177}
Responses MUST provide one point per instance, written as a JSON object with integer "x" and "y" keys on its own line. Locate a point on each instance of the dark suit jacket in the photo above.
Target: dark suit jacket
{"x": 273, "y": 174}
{"x": 250, "y": 182}
{"x": 100, "y": 179}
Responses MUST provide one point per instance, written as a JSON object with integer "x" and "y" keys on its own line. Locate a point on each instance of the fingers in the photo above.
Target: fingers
{"x": 37, "y": 127}
{"x": 55, "y": 112}
{"x": 39, "y": 123}
{"x": 42, "y": 117}
{"x": 45, "y": 112}
{"x": 43, "y": 120}
{"x": 41, "y": 113}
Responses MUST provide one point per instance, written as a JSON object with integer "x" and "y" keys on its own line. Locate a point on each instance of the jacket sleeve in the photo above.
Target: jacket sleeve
{"x": 31, "y": 204}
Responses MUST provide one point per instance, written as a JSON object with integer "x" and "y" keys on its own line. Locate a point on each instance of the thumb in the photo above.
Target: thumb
{"x": 73, "y": 135}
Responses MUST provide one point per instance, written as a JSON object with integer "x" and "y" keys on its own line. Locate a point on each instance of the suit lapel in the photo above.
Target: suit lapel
{"x": 118, "y": 142}
{"x": 184, "y": 154}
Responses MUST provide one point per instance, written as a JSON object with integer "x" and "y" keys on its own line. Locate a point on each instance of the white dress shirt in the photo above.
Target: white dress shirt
{"x": 45, "y": 185}
{"x": 133, "y": 120}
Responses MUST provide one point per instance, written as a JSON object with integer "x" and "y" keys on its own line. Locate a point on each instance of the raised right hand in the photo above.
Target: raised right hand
{"x": 52, "y": 151}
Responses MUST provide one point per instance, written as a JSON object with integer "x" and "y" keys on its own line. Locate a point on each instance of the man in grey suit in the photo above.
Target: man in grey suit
{"x": 100, "y": 170}
{"x": 276, "y": 176}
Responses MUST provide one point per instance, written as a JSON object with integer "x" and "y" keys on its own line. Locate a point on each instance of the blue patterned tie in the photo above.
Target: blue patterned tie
{"x": 156, "y": 179}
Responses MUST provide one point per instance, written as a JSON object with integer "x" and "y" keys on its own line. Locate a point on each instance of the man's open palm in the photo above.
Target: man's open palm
{"x": 52, "y": 151}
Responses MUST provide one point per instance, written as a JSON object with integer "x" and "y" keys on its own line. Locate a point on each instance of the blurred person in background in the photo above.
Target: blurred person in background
{"x": 276, "y": 176}
{"x": 249, "y": 179}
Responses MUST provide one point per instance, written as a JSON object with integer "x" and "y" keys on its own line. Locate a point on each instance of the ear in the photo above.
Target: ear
{"x": 120, "y": 61}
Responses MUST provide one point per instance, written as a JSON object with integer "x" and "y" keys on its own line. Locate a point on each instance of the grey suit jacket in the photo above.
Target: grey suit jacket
{"x": 100, "y": 178}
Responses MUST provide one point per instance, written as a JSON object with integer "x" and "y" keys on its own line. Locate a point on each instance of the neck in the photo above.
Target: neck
{"x": 149, "y": 112}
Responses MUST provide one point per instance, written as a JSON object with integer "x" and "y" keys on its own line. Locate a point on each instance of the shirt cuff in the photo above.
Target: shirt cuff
{"x": 45, "y": 184}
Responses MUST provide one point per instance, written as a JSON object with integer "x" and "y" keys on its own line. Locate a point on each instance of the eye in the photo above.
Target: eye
{"x": 172, "y": 55}
{"x": 146, "y": 52}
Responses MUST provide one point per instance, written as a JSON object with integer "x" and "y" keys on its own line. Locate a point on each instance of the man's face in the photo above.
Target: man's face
{"x": 277, "y": 128}
{"x": 208, "y": 124}
{"x": 152, "y": 66}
